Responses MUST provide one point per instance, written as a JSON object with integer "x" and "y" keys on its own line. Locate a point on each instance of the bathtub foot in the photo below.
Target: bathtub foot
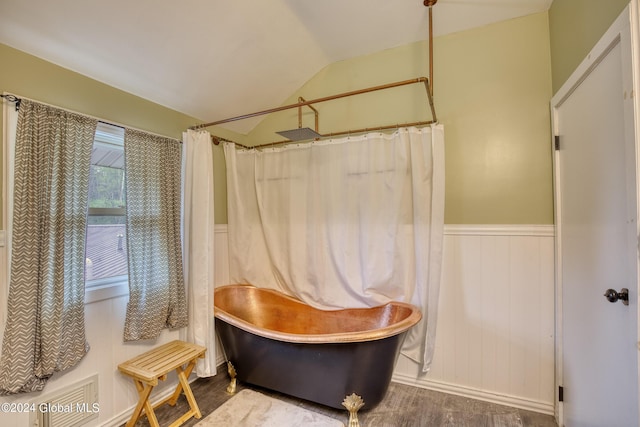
{"x": 231, "y": 388}
{"x": 353, "y": 403}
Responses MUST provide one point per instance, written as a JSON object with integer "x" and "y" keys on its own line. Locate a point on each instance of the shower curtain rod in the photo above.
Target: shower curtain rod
{"x": 327, "y": 135}
{"x": 428, "y": 83}
{"x": 299, "y": 104}
{"x": 324, "y": 99}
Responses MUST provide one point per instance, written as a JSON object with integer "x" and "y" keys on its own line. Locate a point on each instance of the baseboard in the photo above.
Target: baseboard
{"x": 487, "y": 396}
{"x": 220, "y": 359}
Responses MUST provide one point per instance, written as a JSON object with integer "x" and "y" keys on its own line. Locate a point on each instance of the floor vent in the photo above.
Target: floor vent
{"x": 71, "y": 406}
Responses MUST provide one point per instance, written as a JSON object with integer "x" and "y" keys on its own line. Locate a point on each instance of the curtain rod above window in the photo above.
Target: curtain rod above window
{"x": 9, "y": 97}
{"x": 12, "y": 98}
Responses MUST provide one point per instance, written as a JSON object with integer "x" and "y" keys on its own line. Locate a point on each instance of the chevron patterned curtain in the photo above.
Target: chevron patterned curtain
{"x": 156, "y": 287}
{"x": 45, "y": 310}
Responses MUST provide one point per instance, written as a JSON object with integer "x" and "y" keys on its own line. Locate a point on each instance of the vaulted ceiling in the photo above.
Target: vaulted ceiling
{"x": 213, "y": 59}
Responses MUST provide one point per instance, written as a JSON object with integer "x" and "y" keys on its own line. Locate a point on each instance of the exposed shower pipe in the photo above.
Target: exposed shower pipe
{"x": 428, "y": 82}
{"x": 430, "y": 4}
{"x": 315, "y": 101}
{"x": 315, "y": 112}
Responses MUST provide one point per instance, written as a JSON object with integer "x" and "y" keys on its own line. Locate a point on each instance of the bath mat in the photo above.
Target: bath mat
{"x": 252, "y": 409}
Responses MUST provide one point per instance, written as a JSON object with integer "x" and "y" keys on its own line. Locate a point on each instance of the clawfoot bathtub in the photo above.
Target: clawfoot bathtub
{"x": 280, "y": 343}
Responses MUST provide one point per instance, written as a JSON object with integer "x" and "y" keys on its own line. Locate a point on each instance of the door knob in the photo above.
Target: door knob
{"x": 614, "y": 296}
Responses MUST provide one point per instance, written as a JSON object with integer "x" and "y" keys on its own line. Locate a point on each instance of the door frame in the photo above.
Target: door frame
{"x": 626, "y": 31}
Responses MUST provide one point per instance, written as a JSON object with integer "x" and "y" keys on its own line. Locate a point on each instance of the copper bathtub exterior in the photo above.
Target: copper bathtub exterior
{"x": 280, "y": 343}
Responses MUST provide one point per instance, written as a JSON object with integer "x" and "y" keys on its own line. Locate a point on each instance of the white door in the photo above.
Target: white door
{"x": 596, "y": 217}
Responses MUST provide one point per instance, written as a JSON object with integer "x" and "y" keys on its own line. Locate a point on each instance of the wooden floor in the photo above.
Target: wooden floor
{"x": 403, "y": 406}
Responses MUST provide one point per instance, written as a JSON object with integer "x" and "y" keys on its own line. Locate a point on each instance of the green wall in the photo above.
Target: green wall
{"x": 31, "y": 77}
{"x": 575, "y": 27}
{"x": 492, "y": 90}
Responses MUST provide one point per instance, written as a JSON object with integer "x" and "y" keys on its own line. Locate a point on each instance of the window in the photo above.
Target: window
{"x": 106, "y": 245}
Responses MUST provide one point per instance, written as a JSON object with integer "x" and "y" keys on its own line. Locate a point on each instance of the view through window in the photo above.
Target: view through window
{"x": 106, "y": 246}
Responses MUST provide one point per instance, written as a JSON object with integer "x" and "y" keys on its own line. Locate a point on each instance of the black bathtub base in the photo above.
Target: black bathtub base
{"x": 352, "y": 403}
{"x": 322, "y": 373}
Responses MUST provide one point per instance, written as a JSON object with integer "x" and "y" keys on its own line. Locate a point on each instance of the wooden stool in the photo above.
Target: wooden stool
{"x": 147, "y": 368}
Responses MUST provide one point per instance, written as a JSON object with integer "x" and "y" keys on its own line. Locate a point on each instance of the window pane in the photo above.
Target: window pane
{"x": 106, "y": 251}
{"x": 106, "y": 187}
{"x": 106, "y": 247}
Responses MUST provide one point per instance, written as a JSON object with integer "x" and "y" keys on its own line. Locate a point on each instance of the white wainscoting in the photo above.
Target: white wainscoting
{"x": 221, "y": 248}
{"x": 4, "y": 288}
{"x": 495, "y": 331}
{"x": 495, "y": 335}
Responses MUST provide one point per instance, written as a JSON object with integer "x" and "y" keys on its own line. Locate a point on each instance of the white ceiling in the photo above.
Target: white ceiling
{"x": 212, "y": 59}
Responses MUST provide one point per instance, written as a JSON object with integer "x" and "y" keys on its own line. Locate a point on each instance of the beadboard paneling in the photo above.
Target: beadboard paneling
{"x": 4, "y": 287}
{"x": 221, "y": 248}
{"x": 495, "y": 335}
{"x": 494, "y": 340}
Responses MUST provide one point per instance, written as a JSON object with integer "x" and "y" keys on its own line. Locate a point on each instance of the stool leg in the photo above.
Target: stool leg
{"x": 176, "y": 394}
{"x": 183, "y": 376}
{"x": 144, "y": 391}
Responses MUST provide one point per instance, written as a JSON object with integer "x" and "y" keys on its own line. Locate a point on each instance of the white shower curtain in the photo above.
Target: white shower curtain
{"x": 198, "y": 245}
{"x": 352, "y": 222}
